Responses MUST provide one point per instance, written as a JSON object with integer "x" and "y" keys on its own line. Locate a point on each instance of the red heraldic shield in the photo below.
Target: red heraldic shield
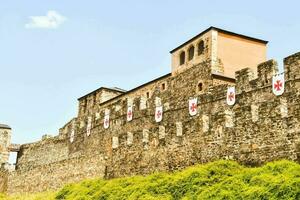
{"x": 278, "y": 84}
{"x": 193, "y": 106}
{"x": 230, "y": 99}
{"x": 106, "y": 121}
{"x": 129, "y": 113}
{"x": 158, "y": 113}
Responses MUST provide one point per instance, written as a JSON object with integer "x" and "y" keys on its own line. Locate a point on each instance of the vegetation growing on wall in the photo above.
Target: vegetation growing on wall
{"x": 216, "y": 180}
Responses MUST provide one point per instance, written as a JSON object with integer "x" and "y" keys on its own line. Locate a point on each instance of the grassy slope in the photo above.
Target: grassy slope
{"x": 216, "y": 180}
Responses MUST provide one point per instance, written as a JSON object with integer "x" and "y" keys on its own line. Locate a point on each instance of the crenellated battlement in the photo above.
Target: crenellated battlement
{"x": 5, "y": 137}
{"x": 265, "y": 71}
{"x": 103, "y": 141}
{"x": 243, "y": 78}
{"x": 259, "y": 127}
{"x": 291, "y": 66}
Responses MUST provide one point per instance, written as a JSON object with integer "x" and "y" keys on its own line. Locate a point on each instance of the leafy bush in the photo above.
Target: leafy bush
{"x": 39, "y": 196}
{"x": 216, "y": 180}
{"x": 2, "y": 196}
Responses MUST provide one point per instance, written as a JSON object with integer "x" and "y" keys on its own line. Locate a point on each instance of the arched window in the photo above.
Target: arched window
{"x": 191, "y": 52}
{"x": 200, "y": 87}
{"x": 182, "y": 58}
{"x": 200, "y": 47}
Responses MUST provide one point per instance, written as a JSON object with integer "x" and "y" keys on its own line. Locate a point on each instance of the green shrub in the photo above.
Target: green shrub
{"x": 217, "y": 180}
{"x": 2, "y": 196}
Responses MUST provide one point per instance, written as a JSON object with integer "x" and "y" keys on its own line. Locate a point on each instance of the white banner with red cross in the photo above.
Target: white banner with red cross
{"x": 278, "y": 84}
{"x": 193, "y": 106}
{"x": 230, "y": 97}
{"x": 89, "y": 126}
{"x": 106, "y": 119}
{"x": 158, "y": 113}
{"x": 129, "y": 113}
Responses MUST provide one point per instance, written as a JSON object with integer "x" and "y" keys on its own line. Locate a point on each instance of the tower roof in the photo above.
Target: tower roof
{"x": 116, "y": 89}
{"x": 221, "y": 31}
{"x": 4, "y": 126}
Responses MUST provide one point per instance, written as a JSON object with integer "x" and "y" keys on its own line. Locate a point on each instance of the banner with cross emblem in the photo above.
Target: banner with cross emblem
{"x": 278, "y": 84}
{"x": 158, "y": 113}
{"x": 230, "y": 98}
{"x": 193, "y": 106}
{"x": 106, "y": 119}
{"x": 129, "y": 113}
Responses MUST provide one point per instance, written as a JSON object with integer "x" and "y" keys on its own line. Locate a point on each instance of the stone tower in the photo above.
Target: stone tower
{"x": 5, "y": 137}
{"x": 226, "y": 51}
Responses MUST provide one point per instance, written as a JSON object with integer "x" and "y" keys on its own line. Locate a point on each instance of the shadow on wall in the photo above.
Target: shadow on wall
{"x": 298, "y": 151}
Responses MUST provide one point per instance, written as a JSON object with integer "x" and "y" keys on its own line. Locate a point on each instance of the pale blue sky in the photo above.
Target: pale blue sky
{"x": 46, "y": 67}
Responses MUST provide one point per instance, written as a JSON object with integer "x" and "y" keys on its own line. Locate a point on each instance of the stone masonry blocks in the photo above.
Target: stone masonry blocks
{"x": 253, "y": 131}
{"x": 179, "y": 129}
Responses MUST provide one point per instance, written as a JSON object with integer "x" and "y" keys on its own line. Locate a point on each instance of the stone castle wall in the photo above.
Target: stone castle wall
{"x": 3, "y": 179}
{"x": 44, "y": 152}
{"x": 5, "y": 137}
{"x": 260, "y": 127}
{"x": 54, "y": 175}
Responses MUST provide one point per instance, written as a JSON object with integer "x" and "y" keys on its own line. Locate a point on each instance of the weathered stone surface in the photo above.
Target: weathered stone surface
{"x": 51, "y": 176}
{"x": 145, "y": 136}
{"x": 129, "y": 138}
{"x": 205, "y": 123}
{"x": 254, "y": 113}
{"x": 260, "y": 127}
{"x": 229, "y": 119}
{"x": 115, "y": 142}
{"x": 143, "y": 103}
{"x": 179, "y": 129}
{"x": 3, "y": 179}
{"x": 5, "y": 137}
{"x": 162, "y": 132}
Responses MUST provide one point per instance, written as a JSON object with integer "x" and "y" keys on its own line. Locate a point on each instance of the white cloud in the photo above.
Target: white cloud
{"x": 51, "y": 21}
